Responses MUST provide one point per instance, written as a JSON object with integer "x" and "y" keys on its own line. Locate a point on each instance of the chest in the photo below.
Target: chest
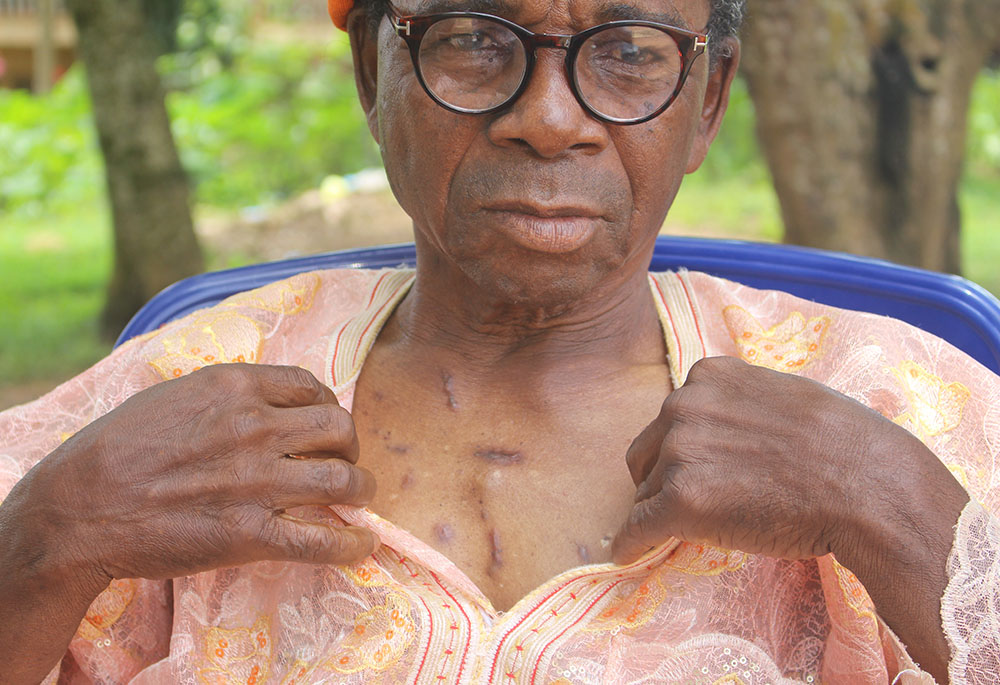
{"x": 512, "y": 497}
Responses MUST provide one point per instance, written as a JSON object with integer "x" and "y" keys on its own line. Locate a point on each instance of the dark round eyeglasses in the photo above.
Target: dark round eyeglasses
{"x": 621, "y": 72}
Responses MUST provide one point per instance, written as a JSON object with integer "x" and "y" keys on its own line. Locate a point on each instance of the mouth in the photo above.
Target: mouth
{"x": 554, "y": 229}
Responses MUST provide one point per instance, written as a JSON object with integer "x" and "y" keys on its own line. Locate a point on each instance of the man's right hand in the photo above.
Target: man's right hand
{"x": 196, "y": 473}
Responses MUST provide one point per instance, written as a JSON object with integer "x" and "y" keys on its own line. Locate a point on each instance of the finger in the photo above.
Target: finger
{"x": 321, "y": 481}
{"x": 287, "y": 538}
{"x": 289, "y": 386}
{"x": 653, "y": 484}
{"x": 643, "y": 531}
{"x": 642, "y": 453}
{"x": 318, "y": 430}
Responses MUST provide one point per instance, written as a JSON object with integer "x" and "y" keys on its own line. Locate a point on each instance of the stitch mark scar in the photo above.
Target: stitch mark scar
{"x": 444, "y": 533}
{"x": 583, "y": 552}
{"x": 393, "y": 447}
{"x": 449, "y": 391}
{"x": 500, "y": 457}
{"x": 496, "y": 554}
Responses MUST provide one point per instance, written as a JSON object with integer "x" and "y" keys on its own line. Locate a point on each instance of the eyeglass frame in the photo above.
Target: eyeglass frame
{"x": 412, "y": 28}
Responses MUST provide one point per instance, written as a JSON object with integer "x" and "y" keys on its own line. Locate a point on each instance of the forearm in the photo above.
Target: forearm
{"x": 42, "y": 597}
{"x": 903, "y": 565}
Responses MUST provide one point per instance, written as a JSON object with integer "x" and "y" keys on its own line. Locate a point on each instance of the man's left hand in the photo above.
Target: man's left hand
{"x": 746, "y": 458}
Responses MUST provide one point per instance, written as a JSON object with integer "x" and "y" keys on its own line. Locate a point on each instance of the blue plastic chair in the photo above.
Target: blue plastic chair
{"x": 948, "y": 306}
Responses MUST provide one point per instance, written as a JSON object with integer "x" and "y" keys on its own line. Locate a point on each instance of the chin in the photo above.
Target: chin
{"x": 541, "y": 283}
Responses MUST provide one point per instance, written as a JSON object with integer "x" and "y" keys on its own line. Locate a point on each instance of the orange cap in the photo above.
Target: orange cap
{"x": 338, "y": 11}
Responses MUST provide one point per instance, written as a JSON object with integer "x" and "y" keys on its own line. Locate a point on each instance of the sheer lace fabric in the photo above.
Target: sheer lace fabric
{"x": 685, "y": 613}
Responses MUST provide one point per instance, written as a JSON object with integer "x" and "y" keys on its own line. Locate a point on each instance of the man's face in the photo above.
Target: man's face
{"x": 539, "y": 203}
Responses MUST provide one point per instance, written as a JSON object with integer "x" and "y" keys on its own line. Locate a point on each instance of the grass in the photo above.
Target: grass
{"x": 980, "y": 201}
{"x": 54, "y": 270}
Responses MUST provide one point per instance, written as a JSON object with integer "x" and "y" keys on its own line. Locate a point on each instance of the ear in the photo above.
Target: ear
{"x": 720, "y": 78}
{"x": 364, "y": 50}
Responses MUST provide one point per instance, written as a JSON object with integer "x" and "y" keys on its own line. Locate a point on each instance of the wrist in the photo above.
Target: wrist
{"x": 42, "y": 551}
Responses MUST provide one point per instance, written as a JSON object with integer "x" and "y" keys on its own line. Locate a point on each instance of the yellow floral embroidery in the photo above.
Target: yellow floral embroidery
{"x": 284, "y": 297}
{"x": 107, "y": 609}
{"x": 211, "y": 338}
{"x": 298, "y": 673}
{"x": 228, "y": 333}
{"x": 237, "y": 657}
{"x": 702, "y": 560}
{"x": 633, "y": 610}
{"x": 366, "y": 573}
{"x": 935, "y": 407}
{"x": 856, "y": 597}
{"x": 790, "y": 346}
{"x": 380, "y": 637}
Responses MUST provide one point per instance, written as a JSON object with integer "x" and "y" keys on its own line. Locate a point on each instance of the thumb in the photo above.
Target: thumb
{"x": 645, "y": 528}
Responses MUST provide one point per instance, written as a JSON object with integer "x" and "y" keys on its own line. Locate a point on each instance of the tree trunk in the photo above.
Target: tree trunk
{"x": 45, "y": 48}
{"x": 861, "y": 111}
{"x": 155, "y": 243}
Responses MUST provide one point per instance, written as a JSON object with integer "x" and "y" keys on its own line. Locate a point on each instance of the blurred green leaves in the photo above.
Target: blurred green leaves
{"x": 283, "y": 118}
{"x": 263, "y": 123}
{"x": 48, "y": 155}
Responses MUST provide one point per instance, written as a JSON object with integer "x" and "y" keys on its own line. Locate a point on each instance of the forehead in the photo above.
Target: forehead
{"x": 689, "y": 14}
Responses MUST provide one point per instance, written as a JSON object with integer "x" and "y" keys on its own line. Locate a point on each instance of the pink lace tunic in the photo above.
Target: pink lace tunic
{"x": 684, "y": 613}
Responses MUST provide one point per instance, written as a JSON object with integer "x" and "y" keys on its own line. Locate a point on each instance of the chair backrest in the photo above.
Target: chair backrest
{"x": 948, "y": 306}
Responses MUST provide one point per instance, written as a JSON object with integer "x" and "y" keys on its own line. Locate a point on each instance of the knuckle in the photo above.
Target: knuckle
{"x": 267, "y": 535}
{"x": 235, "y": 379}
{"x": 333, "y": 420}
{"x": 245, "y": 426}
{"x": 299, "y": 377}
{"x": 341, "y": 480}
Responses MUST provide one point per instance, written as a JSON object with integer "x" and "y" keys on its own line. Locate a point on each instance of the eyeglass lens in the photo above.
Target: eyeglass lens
{"x": 623, "y": 72}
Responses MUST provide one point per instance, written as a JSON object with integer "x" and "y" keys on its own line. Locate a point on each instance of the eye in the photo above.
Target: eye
{"x": 625, "y": 52}
{"x": 474, "y": 40}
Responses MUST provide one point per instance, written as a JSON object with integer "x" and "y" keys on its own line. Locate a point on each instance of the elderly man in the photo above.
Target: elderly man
{"x": 580, "y": 477}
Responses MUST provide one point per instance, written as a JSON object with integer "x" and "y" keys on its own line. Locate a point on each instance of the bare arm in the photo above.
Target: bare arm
{"x": 190, "y": 475}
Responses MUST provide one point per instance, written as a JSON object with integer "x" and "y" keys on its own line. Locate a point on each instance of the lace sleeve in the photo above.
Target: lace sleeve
{"x": 970, "y": 608}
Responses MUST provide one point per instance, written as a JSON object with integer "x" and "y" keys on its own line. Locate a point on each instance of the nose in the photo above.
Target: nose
{"x": 547, "y": 119}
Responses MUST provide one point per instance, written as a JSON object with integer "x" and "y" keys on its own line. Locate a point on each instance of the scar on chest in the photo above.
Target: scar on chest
{"x": 496, "y": 553}
{"x": 408, "y": 480}
{"x": 449, "y": 391}
{"x": 500, "y": 457}
{"x": 391, "y": 445}
{"x": 444, "y": 533}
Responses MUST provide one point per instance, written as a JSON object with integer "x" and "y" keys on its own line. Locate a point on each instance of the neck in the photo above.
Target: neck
{"x": 448, "y": 322}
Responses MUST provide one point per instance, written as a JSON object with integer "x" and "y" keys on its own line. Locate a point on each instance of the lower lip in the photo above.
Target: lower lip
{"x": 555, "y": 235}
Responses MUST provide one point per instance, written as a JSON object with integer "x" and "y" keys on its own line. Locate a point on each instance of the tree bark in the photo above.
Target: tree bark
{"x": 861, "y": 112}
{"x": 154, "y": 239}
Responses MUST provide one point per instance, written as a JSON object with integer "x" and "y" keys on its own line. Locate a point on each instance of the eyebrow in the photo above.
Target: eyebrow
{"x": 503, "y": 8}
{"x": 498, "y": 7}
{"x": 623, "y": 12}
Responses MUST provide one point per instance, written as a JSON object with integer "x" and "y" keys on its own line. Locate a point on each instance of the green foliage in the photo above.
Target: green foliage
{"x": 277, "y": 123}
{"x": 48, "y": 155}
{"x": 983, "y": 140}
{"x": 735, "y": 150}
{"x": 54, "y": 270}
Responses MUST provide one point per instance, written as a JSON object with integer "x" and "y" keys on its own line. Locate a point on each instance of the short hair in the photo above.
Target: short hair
{"x": 727, "y": 17}
{"x": 725, "y": 22}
